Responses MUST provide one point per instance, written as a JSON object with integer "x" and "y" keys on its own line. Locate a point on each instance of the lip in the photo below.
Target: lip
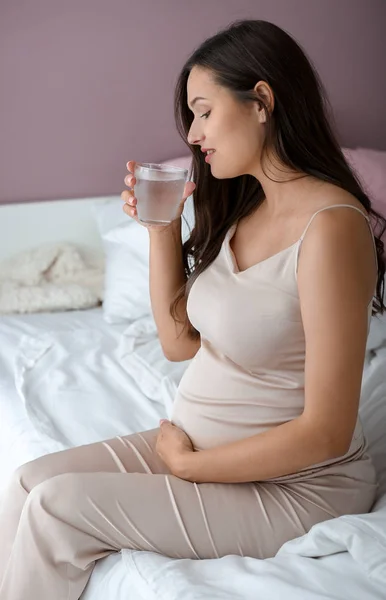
{"x": 208, "y": 157}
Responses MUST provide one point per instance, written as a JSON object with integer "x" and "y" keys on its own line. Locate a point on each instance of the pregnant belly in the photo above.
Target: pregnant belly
{"x": 217, "y": 402}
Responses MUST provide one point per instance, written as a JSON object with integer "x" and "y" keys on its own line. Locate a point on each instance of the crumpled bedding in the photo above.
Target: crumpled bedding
{"x": 108, "y": 379}
{"x": 51, "y": 277}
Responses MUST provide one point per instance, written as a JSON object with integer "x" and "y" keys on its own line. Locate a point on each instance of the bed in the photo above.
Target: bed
{"x": 75, "y": 376}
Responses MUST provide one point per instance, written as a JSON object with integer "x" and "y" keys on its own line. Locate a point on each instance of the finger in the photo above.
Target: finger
{"x": 190, "y": 186}
{"x": 130, "y": 210}
{"x": 130, "y": 181}
{"x": 128, "y": 196}
{"x": 131, "y": 165}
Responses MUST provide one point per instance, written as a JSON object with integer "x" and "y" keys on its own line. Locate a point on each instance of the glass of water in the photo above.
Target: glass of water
{"x": 159, "y": 191}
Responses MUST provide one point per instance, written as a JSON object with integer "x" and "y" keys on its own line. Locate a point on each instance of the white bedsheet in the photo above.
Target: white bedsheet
{"x": 235, "y": 578}
{"x": 85, "y": 392}
{"x": 70, "y": 364}
{"x": 83, "y": 380}
{"x": 339, "y": 559}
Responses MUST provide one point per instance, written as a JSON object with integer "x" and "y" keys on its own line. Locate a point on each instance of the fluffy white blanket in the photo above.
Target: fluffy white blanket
{"x": 51, "y": 277}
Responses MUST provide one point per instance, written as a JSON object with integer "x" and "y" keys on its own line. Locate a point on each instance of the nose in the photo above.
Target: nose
{"x": 194, "y": 136}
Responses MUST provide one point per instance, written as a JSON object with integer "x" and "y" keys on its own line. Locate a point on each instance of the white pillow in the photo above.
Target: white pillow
{"x": 377, "y": 333}
{"x": 373, "y": 411}
{"x": 126, "y": 247}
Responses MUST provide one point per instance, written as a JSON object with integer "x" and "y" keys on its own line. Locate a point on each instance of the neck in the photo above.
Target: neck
{"x": 284, "y": 189}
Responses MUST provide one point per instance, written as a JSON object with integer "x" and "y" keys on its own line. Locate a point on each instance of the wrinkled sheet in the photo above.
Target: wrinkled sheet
{"x": 70, "y": 378}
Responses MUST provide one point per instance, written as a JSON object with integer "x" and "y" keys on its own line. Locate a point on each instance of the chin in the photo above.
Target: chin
{"x": 224, "y": 173}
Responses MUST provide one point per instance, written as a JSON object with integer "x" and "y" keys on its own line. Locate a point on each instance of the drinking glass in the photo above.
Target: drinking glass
{"x": 159, "y": 191}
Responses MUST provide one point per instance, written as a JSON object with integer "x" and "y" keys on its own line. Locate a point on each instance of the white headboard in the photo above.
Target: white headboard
{"x": 25, "y": 225}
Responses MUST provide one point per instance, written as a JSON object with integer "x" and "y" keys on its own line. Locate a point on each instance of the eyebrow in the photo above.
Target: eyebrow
{"x": 195, "y": 100}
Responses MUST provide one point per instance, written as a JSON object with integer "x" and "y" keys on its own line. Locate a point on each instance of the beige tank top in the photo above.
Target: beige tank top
{"x": 248, "y": 374}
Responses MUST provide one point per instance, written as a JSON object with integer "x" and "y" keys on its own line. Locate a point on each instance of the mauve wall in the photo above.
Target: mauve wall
{"x": 86, "y": 85}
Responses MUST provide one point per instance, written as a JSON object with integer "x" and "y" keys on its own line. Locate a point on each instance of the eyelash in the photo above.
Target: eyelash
{"x": 206, "y": 115}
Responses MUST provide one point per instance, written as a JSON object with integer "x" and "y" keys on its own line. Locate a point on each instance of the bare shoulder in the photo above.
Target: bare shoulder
{"x": 338, "y": 242}
{"x": 327, "y": 194}
{"x": 342, "y": 223}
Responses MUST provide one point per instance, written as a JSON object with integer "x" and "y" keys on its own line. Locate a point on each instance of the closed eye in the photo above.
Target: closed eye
{"x": 206, "y": 115}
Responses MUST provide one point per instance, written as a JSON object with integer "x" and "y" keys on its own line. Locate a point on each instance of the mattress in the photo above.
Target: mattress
{"x": 71, "y": 378}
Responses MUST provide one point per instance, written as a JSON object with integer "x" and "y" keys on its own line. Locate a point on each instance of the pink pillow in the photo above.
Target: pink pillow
{"x": 370, "y": 166}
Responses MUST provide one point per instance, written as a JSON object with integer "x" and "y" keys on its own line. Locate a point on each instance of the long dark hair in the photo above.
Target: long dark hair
{"x": 299, "y": 131}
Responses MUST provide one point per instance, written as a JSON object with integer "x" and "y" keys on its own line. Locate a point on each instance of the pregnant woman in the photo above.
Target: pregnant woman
{"x": 271, "y": 297}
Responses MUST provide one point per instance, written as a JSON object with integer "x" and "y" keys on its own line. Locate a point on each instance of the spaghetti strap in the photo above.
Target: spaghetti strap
{"x": 327, "y": 208}
{"x": 338, "y": 206}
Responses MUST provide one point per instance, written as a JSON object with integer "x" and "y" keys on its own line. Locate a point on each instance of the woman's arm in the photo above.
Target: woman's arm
{"x": 336, "y": 281}
{"x": 166, "y": 278}
{"x": 279, "y": 451}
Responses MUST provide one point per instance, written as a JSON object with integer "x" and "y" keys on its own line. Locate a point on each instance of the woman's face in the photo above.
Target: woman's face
{"x": 234, "y": 130}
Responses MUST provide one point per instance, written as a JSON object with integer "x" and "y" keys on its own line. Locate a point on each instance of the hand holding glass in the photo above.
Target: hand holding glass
{"x": 159, "y": 192}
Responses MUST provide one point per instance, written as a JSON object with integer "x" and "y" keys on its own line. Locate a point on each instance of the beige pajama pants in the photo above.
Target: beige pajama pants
{"x": 63, "y": 511}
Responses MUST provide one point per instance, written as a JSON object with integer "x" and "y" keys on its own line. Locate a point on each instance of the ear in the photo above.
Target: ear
{"x": 265, "y": 94}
